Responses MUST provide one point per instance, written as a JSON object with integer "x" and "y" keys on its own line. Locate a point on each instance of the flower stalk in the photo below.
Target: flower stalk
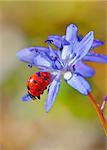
{"x": 99, "y": 112}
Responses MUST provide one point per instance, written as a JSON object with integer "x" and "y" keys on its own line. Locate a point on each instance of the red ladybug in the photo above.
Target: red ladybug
{"x": 37, "y": 83}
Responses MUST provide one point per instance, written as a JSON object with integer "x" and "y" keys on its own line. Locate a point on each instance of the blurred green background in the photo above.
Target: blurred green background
{"x": 72, "y": 124}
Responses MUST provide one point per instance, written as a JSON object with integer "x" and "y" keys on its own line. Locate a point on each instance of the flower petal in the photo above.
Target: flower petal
{"x": 27, "y": 55}
{"x": 40, "y": 49}
{"x": 58, "y": 41}
{"x": 71, "y": 36}
{"x": 83, "y": 47}
{"x": 53, "y": 91}
{"x": 96, "y": 43}
{"x": 66, "y": 52}
{"x": 42, "y": 61}
{"x": 26, "y": 98}
{"x": 84, "y": 69}
{"x": 94, "y": 57}
{"x": 57, "y": 65}
{"x": 71, "y": 33}
{"x": 80, "y": 84}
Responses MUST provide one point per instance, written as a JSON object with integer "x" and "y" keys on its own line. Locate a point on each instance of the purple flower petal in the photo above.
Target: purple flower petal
{"x": 96, "y": 43}
{"x": 83, "y": 46}
{"x": 53, "y": 91}
{"x": 26, "y": 98}
{"x": 79, "y": 83}
{"x": 58, "y": 41}
{"x": 42, "y": 61}
{"x": 93, "y": 57}
{"x": 71, "y": 33}
{"x": 27, "y": 55}
{"x": 84, "y": 69}
{"x": 57, "y": 65}
{"x": 66, "y": 52}
{"x": 71, "y": 36}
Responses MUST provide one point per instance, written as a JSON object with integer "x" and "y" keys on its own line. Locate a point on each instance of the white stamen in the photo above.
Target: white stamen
{"x": 67, "y": 75}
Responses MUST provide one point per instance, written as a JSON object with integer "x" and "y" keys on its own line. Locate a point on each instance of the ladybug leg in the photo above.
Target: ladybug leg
{"x": 37, "y": 101}
{"x": 32, "y": 97}
{"x": 38, "y": 97}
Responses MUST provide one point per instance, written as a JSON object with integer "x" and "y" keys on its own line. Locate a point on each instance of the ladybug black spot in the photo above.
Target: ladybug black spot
{"x": 28, "y": 88}
{"x": 39, "y": 90}
{"x": 34, "y": 81}
{"x": 45, "y": 78}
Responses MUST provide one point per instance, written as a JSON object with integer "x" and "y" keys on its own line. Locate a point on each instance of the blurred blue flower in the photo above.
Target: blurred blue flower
{"x": 66, "y": 60}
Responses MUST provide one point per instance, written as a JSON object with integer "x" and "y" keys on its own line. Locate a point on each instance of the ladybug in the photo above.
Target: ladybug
{"x": 37, "y": 83}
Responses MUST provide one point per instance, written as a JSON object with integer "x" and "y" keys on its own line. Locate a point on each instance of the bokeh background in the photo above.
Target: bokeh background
{"x": 72, "y": 124}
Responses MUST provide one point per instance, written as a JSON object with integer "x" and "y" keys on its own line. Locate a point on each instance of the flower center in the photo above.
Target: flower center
{"x": 67, "y": 75}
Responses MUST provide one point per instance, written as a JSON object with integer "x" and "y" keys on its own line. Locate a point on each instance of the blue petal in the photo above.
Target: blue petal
{"x": 42, "y": 61}
{"x": 53, "y": 91}
{"x": 96, "y": 43}
{"x": 58, "y": 65}
{"x": 66, "y": 52}
{"x": 40, "y": 49}
{"x": 93, "y": 57}
{"x": 71, "y": 36}
{"x": 80, "y": 84}
{"x": 58, "y": 41}
{"x": 84, "y": 69}
{"x": 26, "y": 98}
{"x": 27, "y": 55}
{"x": 71, "y": 33}
{"x": 82, "y": 48}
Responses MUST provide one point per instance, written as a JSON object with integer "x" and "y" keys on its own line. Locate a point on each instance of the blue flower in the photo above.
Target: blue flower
{"x": 67, "y": 61}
